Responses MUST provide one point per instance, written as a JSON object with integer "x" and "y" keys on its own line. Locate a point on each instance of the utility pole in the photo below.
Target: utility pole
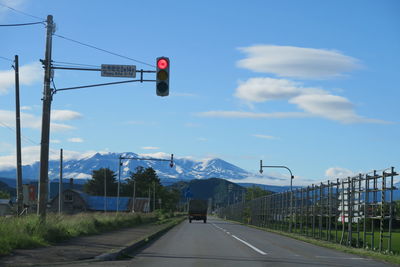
{"x": 149, "y": 199}
{"x": 20, "y": 195}
{"x": 60, "y": 183}
{"x": 154, "y": 196}
{"x": 105, "y": 190}
{"x": 44, "y": 144}
{"x": 119, "y": 180}
{"x": 134, "y": 196}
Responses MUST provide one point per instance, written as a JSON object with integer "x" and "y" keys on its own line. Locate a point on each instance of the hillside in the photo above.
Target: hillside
{"x": 220, "y": 191}
{"x": 5, "y": 188}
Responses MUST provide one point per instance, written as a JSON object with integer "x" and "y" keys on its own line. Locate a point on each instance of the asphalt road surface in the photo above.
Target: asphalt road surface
{"x": 220, "y": 243}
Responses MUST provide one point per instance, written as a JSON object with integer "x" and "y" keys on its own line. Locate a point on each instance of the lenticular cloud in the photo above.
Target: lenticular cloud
{"x": 297, "y": 62}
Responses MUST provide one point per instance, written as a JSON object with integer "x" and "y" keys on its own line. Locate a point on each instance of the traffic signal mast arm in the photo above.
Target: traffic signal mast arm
{"x": 151, "y": 159}
{"x": 101, "y": 84}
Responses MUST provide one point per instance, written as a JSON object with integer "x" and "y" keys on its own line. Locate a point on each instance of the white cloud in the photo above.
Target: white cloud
{"x": 337, "y": 172}
{"x": 252, "y": 115}
{"x": 150, "y": 147}
{"x": 264, "y": 89}
{"x": 6, "y": 147}
{"x": 158, "y": 155}
{"x": 315, "y": 102}
{"x": 55, "y": 141}
{"x": 29, "y": 74}
{"x": 298, "y": 62}
{"x": 75, "y": 140}
{"x": 263, "y": 136}
{"x": 26, "y": 108}
{"x": 331, "y": 107}
{"x": 31, "y": 154}
{"x": 64, "y": 115}
{"x": 17, "y": 4}
{"x": 28, "y": 120}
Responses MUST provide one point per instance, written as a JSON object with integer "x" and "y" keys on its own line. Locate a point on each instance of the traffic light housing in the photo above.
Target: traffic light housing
{"x": 162, "y": 76}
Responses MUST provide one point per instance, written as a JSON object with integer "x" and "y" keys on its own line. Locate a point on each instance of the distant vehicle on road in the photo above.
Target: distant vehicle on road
{"x": 197, "y": 210}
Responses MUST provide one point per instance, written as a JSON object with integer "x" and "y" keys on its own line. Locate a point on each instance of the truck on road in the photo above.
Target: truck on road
{"x": 197, "y": 210}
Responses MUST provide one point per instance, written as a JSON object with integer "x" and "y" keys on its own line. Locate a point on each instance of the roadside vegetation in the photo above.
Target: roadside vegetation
{"x": 29, "y": 232}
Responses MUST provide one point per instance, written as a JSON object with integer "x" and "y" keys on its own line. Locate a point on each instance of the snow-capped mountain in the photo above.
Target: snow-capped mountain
{"x": 183, "y": 168}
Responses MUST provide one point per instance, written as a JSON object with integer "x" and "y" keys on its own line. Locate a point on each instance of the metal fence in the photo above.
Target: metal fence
{"x": 356, "y": 211}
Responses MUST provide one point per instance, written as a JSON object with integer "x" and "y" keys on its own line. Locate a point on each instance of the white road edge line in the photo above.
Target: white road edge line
{"x": 249, "y": 245}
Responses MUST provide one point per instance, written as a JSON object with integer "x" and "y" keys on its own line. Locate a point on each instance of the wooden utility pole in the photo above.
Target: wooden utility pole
{"x": 105, "y": 190}
{"x": 20, "y": 195}
{"x": 60, "y": 184}
{"x": 45, "y": 139}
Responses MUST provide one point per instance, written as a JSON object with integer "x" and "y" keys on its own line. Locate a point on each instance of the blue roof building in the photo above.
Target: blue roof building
{"x": 75, "y": 201}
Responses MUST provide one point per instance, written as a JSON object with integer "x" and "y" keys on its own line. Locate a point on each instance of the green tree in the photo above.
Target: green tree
{"x": 145, "y": 179}
{"x": 95, "y": 186}
{"x": 169, "y": 199}
{"x": 4, "y": 195}
{"x": 255, "y": 192}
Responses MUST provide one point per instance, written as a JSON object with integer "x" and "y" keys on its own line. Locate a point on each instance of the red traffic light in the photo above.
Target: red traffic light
{"x": 162, "y": 63}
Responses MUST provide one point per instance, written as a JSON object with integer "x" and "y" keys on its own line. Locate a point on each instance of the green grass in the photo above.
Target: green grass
{"x": 28, "y": 232}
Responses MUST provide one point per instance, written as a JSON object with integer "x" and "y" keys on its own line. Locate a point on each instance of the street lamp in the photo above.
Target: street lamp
{"x": 171, "y": 164}
{"x": 291, "y": 190}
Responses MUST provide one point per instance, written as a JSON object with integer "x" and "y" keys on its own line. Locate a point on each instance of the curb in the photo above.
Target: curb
{"x": 110, "y": 256}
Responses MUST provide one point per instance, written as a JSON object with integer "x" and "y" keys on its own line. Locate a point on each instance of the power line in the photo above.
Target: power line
{"x": 74, "y": 64}
{"x": 103, "y": 50}
{"x": 7, "y": 59}
{"x": 21, "y": 12}
{"x": 21, "y": 24}
{"x": 27, "y": 139}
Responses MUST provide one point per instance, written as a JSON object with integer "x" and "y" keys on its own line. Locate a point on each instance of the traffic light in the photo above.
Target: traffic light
{"x": 162, "y": 76}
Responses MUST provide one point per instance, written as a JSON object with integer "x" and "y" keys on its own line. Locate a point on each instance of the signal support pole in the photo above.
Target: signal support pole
{"x": 18, "y": 137}
{"x": 60, "y": 184}
{"x": 44, "y": 145}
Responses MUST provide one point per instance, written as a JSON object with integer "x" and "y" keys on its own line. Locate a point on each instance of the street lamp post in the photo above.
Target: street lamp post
{"x": 291, "y": 190}
{"x": 120, "y": 158}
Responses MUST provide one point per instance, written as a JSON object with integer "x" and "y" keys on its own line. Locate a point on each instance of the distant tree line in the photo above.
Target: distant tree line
{"x": 145, "y": 180}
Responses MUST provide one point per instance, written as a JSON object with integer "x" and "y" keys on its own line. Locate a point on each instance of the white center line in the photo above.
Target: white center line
{"x": 244, "y": 242}
{"x": 249, "y": 245}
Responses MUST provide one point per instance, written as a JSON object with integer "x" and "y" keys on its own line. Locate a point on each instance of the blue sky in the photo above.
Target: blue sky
{"x": 307, "y": 84}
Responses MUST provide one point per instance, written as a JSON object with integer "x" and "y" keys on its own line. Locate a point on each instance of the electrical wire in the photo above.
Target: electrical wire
{"x": 103, "y": 50}
{"x": 7, "y": 59}
{"x": 73, "y": 64}
{"x": 27, "y": 139}
{"x": 22, "y": 24}
{"x": 21, "y": 12}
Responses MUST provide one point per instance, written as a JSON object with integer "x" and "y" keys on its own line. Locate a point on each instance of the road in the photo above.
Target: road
{"x": 221, "y": 243}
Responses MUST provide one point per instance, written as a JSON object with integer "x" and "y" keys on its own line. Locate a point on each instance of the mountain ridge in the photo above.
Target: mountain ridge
{"x": 183, "y": 169}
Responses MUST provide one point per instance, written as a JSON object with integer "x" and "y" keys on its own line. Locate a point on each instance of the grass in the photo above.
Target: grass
{"x": 28, "y": 232}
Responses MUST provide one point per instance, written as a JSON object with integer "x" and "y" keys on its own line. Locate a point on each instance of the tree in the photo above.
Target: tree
{"x": 255, "y": 192}
{"x": 4, "y": 195}
{"x": 145, "y": 179}
{"x": 95, "y": 186}
{"x": 169, "y": 198}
